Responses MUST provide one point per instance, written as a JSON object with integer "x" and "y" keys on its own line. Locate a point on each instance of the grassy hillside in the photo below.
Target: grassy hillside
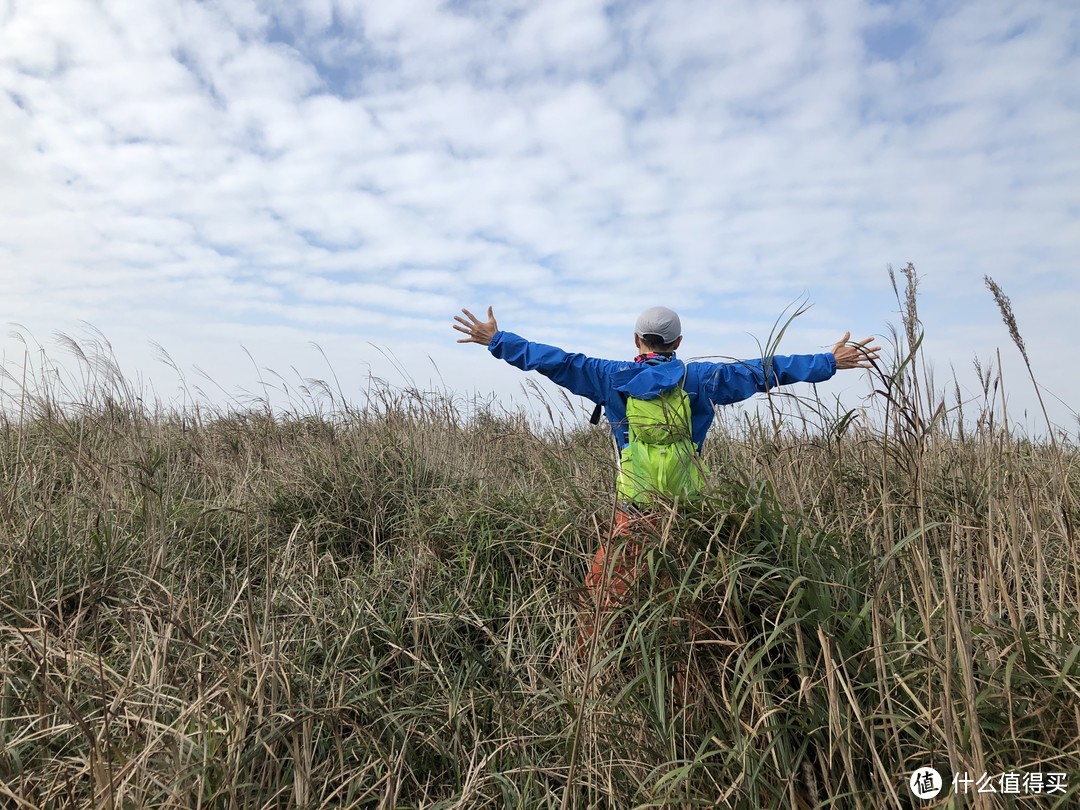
{"x": 381, "y": 608}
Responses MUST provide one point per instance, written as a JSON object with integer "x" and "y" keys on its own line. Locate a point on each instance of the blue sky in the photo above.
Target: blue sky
{"x": 236, "y": 177}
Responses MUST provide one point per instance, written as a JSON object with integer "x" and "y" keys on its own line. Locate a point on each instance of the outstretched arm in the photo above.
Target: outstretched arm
{"x": 726, "y": 383}
{"x": 581, "y": 375}
{"x": 850, "y": 354}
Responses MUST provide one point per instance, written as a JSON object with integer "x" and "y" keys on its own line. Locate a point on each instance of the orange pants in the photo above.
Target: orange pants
{"x": 616, "y": 566}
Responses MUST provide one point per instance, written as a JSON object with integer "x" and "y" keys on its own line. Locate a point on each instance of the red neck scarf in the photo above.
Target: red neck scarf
{"x": 652, "y": 358}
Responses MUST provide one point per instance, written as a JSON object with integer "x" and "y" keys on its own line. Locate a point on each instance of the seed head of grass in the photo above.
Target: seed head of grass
{"x": 1007, "y": 314}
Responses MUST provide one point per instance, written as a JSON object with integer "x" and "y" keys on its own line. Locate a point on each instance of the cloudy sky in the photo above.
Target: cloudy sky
{"x": 236, "y": 180}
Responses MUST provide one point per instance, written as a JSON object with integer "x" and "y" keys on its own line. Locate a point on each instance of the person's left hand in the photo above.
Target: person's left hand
{"x": 849, "y": 354}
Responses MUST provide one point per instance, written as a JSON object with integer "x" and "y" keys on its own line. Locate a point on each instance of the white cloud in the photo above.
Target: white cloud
{"x": 259, "y": 163}
{"x": 563, "y": 31}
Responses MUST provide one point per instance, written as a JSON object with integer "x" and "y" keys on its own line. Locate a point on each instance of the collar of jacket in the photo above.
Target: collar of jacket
{"x": 643, "y": 381}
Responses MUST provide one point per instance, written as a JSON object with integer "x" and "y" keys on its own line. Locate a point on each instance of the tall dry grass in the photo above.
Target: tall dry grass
{"x": 378, "y": 606}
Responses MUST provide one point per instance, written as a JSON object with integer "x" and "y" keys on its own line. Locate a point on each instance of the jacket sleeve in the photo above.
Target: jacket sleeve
{"x": 581, "y": 375}
{"x": 725, "y": 383}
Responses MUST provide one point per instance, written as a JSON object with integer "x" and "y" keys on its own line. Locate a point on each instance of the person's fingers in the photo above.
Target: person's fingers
{"x": 476, "y": 330}
{"x": 869, "y": 352}
{"x": 852, "y": 354}
{"x": 867, "y": 349}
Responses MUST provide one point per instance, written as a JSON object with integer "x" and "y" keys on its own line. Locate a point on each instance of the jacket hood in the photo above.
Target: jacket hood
{"x": 643, "y": 381}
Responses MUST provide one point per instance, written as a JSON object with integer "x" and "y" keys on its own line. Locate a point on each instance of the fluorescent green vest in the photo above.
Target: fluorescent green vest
{"x": 660, "y": 461}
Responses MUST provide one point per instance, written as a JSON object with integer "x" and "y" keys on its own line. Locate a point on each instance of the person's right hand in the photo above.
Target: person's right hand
{"x": 477, "y": 330}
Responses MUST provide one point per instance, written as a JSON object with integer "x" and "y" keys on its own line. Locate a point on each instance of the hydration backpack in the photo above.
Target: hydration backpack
{"x": 660, "y": 458}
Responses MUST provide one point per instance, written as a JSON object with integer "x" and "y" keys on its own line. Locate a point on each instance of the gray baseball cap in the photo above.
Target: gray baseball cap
{"x": 659, "y": 321}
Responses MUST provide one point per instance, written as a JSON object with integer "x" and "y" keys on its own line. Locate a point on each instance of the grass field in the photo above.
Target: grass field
{"x": 380, "y": 607}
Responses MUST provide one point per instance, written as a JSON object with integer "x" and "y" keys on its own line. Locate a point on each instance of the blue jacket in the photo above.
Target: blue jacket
{"x": 610, "y": 382}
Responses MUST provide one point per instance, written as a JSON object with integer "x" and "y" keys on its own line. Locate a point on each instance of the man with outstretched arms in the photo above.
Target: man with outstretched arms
{"x": 659, "y": 409}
